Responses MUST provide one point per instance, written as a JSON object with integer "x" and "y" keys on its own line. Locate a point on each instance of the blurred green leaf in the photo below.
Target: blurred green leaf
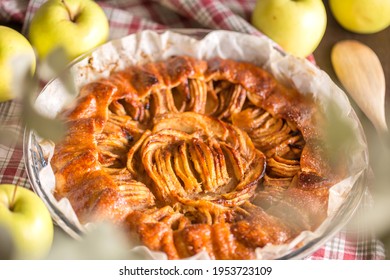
{"x": 21, "y": 66}
{"x": 55, "y": 66}
{"x": 26, "y": 87}
{"x": 103, "y": 241}
{"x": 339, "y": 133}
{"x": 48, "y": 128}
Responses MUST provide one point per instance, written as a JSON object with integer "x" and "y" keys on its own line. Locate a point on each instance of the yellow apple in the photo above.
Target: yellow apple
{"x": 13, "y": 45}
{"x": 361, "y": 16}
{"x": 296, "y": 25}
{"x": 24, "y": 215}
{"x": 77, "y": 26}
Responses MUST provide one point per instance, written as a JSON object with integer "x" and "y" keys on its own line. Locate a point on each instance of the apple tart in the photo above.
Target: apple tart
{"x": 193, "y": 155}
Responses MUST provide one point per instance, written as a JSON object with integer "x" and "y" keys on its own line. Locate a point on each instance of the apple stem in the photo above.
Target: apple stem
{"x": 71, "y": 17}
{"x": 12, "y": 204}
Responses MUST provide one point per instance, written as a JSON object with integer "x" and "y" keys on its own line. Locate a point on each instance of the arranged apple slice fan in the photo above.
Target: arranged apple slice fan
{"x": 195, "y": 156}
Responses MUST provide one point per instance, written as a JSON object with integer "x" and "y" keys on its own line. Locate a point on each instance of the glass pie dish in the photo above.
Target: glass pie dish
{"x": 150, "y": 46}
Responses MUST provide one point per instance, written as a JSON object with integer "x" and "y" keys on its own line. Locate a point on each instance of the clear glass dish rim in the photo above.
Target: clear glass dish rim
{"x": 341, "y": 218}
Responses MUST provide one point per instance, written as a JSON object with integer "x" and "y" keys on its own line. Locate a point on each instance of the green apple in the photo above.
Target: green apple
{"x": 77, "y": 26}
{"x": 361, "y": 16}
{"x": 13, "y": 45}
{"x": 296, "y": 25}
{"x": 27, "y": 219}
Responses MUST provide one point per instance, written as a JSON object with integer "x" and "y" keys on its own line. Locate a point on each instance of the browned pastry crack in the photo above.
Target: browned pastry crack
{"x": 194, "y": 156}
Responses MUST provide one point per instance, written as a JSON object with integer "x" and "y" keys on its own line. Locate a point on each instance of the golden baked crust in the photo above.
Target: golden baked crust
{"x": 196, "y": 155}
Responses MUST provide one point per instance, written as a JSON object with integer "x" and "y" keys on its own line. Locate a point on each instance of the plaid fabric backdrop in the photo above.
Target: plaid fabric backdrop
{"x": 129, "y": 16}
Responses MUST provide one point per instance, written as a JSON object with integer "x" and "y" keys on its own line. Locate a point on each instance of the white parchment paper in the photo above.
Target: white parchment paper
{"x": 151, "y": 46}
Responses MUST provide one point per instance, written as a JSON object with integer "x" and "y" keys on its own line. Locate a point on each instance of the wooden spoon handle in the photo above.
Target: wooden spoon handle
{"x": 360, "y": 72}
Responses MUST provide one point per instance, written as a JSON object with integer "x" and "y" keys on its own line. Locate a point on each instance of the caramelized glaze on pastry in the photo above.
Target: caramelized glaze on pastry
{"x": 195, "y": 155}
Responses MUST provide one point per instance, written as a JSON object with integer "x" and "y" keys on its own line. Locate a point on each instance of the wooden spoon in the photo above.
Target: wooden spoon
{"x": 360, "y": 72}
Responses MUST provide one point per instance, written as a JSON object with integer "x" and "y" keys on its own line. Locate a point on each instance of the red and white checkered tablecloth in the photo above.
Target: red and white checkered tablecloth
{"x": 129, "y": 16}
